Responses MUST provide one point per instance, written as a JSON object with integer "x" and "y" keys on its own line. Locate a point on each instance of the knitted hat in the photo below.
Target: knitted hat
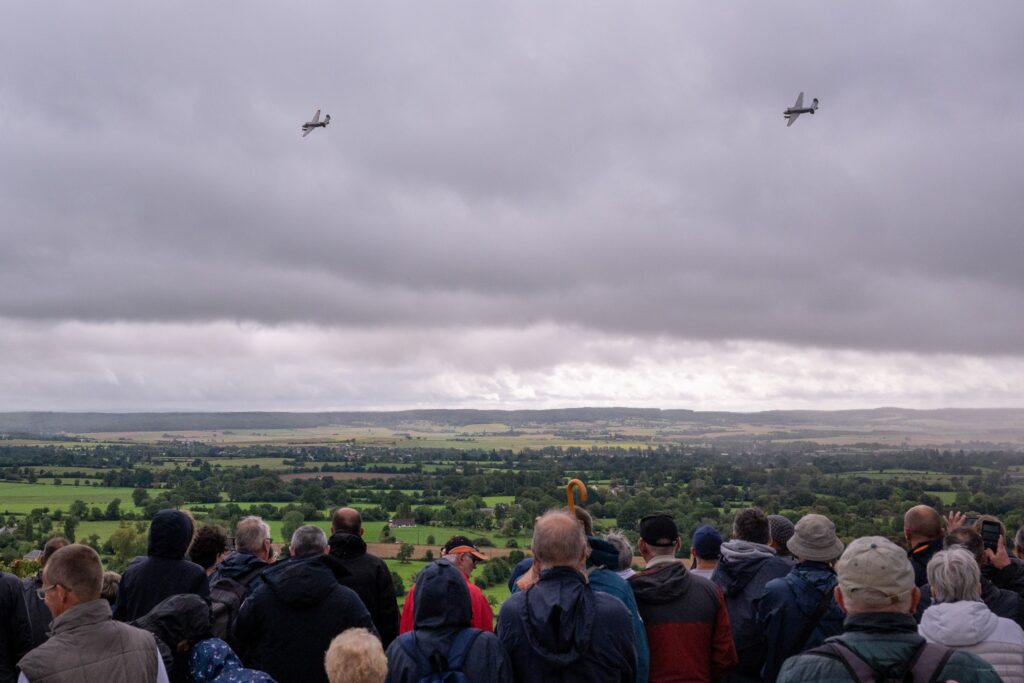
{"x": 780, "y": 529}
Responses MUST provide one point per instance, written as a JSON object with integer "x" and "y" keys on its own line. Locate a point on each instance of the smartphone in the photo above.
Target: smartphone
{"x": 990, "y": 534}
{"x": 969, "y": 521}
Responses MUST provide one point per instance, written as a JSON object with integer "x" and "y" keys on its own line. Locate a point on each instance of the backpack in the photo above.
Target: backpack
{"x": 441, "y": 669}
{"x": 226, "y": 596}
{"x": 925, "y": 666}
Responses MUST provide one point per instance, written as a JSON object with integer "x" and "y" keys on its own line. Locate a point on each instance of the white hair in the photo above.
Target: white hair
{"x": 954, "y": 575}
{"x": 250, "y": 533}
{"x": 307, "y": 540}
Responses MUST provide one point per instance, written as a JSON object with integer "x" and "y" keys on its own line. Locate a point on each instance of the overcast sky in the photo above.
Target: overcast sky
{"x": 529, "y": 204}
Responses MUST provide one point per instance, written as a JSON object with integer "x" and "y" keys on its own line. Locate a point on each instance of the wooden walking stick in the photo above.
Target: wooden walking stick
{"x": 579, "y": 486}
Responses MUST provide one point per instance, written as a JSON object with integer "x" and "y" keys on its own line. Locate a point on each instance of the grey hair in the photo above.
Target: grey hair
{"x": 624, "y": 547}
{"x": 250, "y": 533}
{"x": 308, "y": 540}
{"x": 558, "y": 540}
{"x": 954, "y": 575}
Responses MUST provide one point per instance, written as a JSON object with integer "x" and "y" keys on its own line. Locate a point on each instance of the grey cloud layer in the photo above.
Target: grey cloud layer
{"x": 586, "y": 165}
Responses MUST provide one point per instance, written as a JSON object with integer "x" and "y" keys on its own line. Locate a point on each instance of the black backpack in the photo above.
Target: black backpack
{"x": 925, "y": 666}
{"x": 226, "y": 596}
{"x": 441, "y": 669}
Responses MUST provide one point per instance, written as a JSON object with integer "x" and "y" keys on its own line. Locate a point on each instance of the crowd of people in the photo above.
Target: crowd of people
{"x": 775, "y": 602}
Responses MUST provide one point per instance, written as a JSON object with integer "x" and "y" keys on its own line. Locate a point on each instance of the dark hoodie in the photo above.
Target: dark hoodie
{"x": 788, "y": 608}
{"x": 370, "y": 578}
{"x": 687, "y": 624}
{"x": 288, "y": 622}
{"x": 164, "y": 571}
{"x": 742, "y": 573}
{"x": 443, "y": 610}
{"x": 562, "y": 630}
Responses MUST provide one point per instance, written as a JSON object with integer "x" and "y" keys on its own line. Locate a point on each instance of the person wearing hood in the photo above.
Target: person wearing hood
{"x": 251, "y": 556}
{"x": 288, "y": 622}
{"x": 164, "y": 571}
{"x": 748, "y": 563}
{"x": 560, "y": 629}
{"x": 799, "y": 611}
{"x": 213, "y": 661}
{"x": 368, "y": 575}
{"x": 442, "y": 614}
{"x": 685, "y": 616}
{"x": 959, "y": 619}
{"x": 461, "y": 552}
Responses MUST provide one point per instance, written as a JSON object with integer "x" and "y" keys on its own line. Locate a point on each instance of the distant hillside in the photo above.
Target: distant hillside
{"x": 938, "y": 421}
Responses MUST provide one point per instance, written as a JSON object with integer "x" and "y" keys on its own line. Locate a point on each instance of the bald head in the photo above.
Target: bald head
{"x": 558, "y": 541}
{"x": 922, "y": 524}
{"x": 347, "y": 521}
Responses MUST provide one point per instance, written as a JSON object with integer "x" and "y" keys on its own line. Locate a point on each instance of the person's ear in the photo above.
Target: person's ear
{"x": 327, "y": 550}
{"x": 838, "y": 593}
{"x": 361, "y": 531}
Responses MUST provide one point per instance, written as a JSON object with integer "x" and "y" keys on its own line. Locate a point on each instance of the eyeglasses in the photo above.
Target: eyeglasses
{"x": 41, "y": 592}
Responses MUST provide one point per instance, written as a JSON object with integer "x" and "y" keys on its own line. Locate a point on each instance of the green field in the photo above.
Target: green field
{"x": 22, "y": 498}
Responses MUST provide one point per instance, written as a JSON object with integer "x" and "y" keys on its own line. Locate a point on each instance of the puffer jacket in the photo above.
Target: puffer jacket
{"x": 887, "y": 642}
{"x": 742, "y": 573}
{"x": 442, "y": 611}
{"x": 787, "y": 608}
{"x": 560, "y": 630}
{"x": 972, "y": 626}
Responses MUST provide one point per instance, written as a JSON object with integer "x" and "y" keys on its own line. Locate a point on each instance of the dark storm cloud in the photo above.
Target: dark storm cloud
{"x": 583, "y": 164}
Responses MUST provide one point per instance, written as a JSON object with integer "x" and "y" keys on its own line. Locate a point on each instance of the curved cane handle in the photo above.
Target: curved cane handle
{"x": 579, "y": 486}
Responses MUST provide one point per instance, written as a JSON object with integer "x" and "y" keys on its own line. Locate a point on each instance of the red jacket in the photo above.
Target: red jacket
{"x": 687, "y": 625}
{"x": 483, "y": 616}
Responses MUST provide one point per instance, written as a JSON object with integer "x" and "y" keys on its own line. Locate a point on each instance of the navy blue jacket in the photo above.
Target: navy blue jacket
{"x": 15, "y": 634}
{"x": 442, "y": 610}
{"x": 788, "y": 606}
{"x": 288, "y": 623}
{"x": 164, "y": 571}
{"x": 562, "y": 630}
{"x": 239, "y": 565}
{"x": 742, "y": 573}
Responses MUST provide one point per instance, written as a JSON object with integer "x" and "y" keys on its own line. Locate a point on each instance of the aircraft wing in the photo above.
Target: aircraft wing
{"x": 799, "y": 103}
{"x": 316, "y": 117}
{"x": 306, "y": 131}
{"x": 792, "y": 118}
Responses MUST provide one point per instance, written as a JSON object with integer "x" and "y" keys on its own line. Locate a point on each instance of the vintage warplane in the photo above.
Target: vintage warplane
{"x": 308, "y": 126}
{"x": 793, "y": 112}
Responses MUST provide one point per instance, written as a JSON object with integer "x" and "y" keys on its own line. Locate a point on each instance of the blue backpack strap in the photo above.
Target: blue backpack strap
{"x": 408, "y": 643}
{"x": 461, "y": 646}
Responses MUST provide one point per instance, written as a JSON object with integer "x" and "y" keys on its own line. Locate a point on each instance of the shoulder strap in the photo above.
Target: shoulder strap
{"x": 408, "y": 643}
{"x": 855, "y": 666}
{"x": 928, "y": 663}
{"x": 461, "y": 646}
{"x": 812, "y": 623}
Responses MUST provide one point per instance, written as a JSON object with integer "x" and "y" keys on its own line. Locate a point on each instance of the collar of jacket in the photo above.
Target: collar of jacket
{"x": 659, "y": 560}
{"x": 887, "y": 622}
{"x": 926, "y": 545}
{"x": 82, "y": 614}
